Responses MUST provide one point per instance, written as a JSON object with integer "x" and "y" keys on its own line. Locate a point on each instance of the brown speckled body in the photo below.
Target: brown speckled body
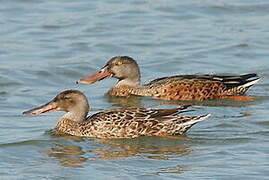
{"x": 129, "y": 123}
{"x": 184, "y": 88}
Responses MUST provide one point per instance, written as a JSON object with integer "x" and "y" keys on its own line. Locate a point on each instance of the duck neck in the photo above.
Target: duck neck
{"x": 76, "y": 117}
{"x": 133, "y": 82}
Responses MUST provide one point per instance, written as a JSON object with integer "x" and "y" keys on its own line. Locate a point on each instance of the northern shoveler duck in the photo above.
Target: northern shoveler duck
{"x": 180, "y": 87}
{"x": 115, "y": 123}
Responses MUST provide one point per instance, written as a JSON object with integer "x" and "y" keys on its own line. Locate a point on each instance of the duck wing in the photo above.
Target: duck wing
{"x": 127, "y": 114}
{"x": 229, "y": 80}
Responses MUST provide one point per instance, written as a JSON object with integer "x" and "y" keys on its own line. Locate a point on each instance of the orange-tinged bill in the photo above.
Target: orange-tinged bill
{"x": 92, "y": 78}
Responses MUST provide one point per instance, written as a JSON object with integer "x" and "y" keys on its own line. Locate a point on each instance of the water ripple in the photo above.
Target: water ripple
{"x": 47, "y": 45}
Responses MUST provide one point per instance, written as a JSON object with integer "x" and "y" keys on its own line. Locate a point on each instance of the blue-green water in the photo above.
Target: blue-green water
{"x": 45, "y": 46}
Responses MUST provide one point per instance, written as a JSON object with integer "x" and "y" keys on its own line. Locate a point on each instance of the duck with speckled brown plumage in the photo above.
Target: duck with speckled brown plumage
{"x": 115, "y": 123}
{"x": 180, "y": 87}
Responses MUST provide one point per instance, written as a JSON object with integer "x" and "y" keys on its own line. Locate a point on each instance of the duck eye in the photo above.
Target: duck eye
{"x": 119, "y": 63}
{"x": 67, "y": 97}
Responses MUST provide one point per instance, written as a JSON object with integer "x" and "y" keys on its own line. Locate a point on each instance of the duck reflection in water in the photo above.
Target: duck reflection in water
{"x": 68, "y": 154}
{"x": 147, "y": 147}
{"x": 78, "y": 153}
{"x": 132, "y": 101}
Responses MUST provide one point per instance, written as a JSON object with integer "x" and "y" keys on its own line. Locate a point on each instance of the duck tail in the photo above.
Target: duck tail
{"x": 181, "y": 128}
{"x": 196, "y": 120}
{"x": 239, "y": 85}
{"x": 244, "y": 87}
{"x": 250, "y": 83}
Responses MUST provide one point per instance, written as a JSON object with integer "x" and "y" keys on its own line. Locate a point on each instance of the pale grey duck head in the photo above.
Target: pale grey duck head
{"x": 124, "y": 68}
{"x": 72, "y": 101}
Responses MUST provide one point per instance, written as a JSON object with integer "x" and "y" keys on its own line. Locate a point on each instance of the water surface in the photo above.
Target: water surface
{"x": 47, "y": 45}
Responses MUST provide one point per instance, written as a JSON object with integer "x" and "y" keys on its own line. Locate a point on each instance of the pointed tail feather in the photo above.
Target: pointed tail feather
{"x": 240, "y": 84}
{"x": 196, "y": 120}
{"x": 240, "y": 90}
{"x": 184, "y": 127}
{"x": 250, "y": 83}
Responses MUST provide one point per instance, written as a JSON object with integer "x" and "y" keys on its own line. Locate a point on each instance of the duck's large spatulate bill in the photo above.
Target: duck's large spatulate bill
{"x": 49, "y": 107}
{"x": 92, "y": 78}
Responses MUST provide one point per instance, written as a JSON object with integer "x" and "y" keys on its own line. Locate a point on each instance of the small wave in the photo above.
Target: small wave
{"x": 24, "y": 143}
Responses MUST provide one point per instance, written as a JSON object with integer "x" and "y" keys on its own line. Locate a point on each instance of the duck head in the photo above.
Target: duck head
{"x": 124, "y": 68}
{"x": 73, "y": 102}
